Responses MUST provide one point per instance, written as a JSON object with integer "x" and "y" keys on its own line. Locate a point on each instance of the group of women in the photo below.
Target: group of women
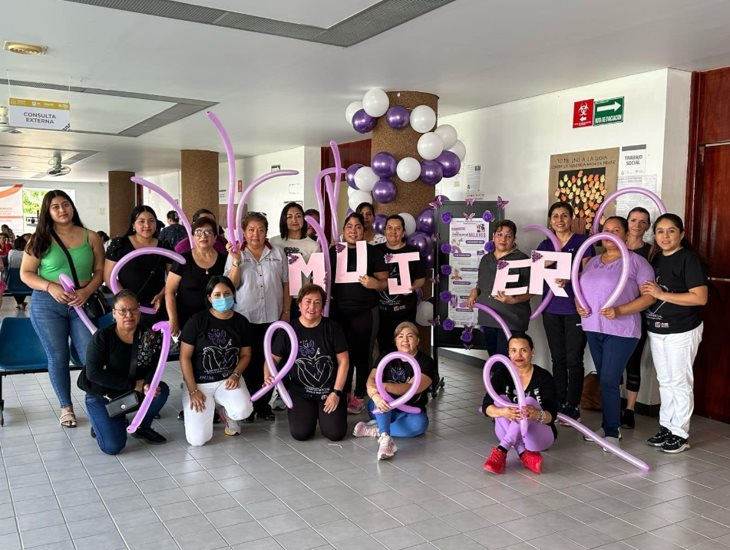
{"x": 225, "y": 296}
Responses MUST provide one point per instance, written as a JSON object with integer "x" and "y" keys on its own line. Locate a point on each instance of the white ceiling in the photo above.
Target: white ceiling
{"x": 275, "y": 93}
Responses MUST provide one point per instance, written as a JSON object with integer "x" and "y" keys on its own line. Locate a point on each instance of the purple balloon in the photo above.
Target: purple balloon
{"x": 450, "y": 163}
{"x": 363, "y": 122}
{"x": 384, "y": 164}
{"x": 429, "y": 260}
{"x": 431, "y": 172}
{"x": 384, "y": 191}
{"x": 379, "y": 223}
{"x": 421, "y": 241}
{"x": 350, "y": 174}
{"x": 398, "y": 117}
{"x": 442, "y": 198}
{"x": 426, "y": 221}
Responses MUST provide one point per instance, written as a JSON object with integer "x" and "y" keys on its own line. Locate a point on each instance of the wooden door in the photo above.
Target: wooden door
{"x": 712, "y": 367}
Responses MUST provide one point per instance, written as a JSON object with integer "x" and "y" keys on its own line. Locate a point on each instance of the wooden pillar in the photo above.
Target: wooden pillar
{"x": 122, "y": 200}
{"x": 198, "y": 181}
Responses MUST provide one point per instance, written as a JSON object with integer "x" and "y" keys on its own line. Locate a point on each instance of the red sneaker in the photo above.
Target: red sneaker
{"x": 532, "y": 461}
{"x": 496, "y": 461}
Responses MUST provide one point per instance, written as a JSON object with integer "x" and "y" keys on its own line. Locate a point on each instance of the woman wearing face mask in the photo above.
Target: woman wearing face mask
{"x": 366, "y": 210}
{"x": 613, "y": 332}
{"x": 675, "y": 328}
{"x": 561, "y": 321}
{"x": 396, "y": 308}
{"x": 215, "y": 350}
{"x": 354, "y": 305}
{"x": 515, "y": 309}
{"x": 260, "y": 272}
{"x": 144, "y": 275}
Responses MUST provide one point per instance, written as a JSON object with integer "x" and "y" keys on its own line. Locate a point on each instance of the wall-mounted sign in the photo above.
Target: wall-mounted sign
{"x": 583, "y": 113}
{"x": 40, "y": 115}
{"x": 608, "y": 111}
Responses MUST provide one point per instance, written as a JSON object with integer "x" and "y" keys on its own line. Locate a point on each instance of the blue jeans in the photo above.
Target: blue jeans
{"x": 398, "y": 423}
{"x": 111, "y": 433}
{"x": 55, "y": 323}
{"x": 610, "y": 355}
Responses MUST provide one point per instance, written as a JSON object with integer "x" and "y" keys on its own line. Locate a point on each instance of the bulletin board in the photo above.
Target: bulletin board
{"x": 466, "y": 233}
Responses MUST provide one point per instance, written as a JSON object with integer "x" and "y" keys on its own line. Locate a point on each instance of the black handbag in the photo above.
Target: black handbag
{"x": 96, "y": 305}
{"x": 124, "y": 404}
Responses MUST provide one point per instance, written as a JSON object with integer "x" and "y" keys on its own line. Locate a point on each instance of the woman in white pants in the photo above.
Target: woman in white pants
{"x": 215, "y": 349}
{"x": 675, "y": 328}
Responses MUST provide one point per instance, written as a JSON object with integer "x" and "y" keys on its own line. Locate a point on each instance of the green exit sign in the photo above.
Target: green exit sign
{"x": 608, "y": 111}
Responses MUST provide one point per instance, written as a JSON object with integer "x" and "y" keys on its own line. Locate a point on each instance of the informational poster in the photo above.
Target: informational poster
{"x": 467, "y": 238}
{"x": 11, "y": 207}
{"x": 584, "y": 179}
{"x": 473, "y": 178}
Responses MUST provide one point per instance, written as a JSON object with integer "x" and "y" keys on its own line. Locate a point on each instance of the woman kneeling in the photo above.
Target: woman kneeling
{"x": 397, "y": 377}
{"x": 540, "y": 409}
{"x": 215, "y": 349}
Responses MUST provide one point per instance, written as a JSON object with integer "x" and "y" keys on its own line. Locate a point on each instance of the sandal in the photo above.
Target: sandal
{"x": 68, "y": 419}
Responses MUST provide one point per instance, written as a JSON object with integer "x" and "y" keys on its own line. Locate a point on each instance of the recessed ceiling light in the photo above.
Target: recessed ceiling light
{"x": 25, "y": 49}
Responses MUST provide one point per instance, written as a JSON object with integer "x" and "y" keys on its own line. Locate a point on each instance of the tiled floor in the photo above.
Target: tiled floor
{"x": 264, "y": 490}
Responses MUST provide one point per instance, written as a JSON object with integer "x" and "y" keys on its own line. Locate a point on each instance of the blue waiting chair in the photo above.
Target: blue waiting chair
{"x": 16, "y": 287}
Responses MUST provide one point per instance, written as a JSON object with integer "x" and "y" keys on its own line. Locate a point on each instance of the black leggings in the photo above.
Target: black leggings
{"x": 566, "y": 341}
{"x": 254, "y": 373}
{"x": 358, "y": 328}
{"x": 633, "y": 367}
{"x": 303, "y": 419}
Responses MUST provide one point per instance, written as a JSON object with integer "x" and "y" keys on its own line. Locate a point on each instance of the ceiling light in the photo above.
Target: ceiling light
{"x": 25, "y": 49}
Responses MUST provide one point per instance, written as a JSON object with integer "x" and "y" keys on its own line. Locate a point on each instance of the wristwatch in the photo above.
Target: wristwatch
{"x": 338, "y": 393}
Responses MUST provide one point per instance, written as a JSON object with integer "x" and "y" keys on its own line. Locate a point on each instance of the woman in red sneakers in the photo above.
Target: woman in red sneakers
{"x": 541, "y": 409}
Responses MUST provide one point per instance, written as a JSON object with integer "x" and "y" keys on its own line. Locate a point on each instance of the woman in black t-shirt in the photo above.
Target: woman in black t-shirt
{"x": 675, "y": 328}
{"x": 396, "y": 308}
{"x": 186, "y": 283}
{"x": 215, "y": 349}
{"x": 354, "y": 306}
{"x": 397, "y": 376}
{"x": 318, "y": 376}
{"x": 144, "y": 275}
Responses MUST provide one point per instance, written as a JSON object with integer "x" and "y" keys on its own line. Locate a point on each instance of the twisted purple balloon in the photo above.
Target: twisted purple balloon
{"x": 556, "y": 245}
{"x": 114, "y": 277}
{"x": 327, "y": 266}
{"x": 279, "y": 375}
{"x": 163, "y": 326}
{"x": 247, "y": 191}
{"x": 625, "y": 191}
{"x": 624, "y": 269}
{"x": 231, "y": 176}
{"x": 68, "y": 286}
{"x": 399, "y": 402}
{"x": 494, "y": 315}
{"x": 519, "y": 388}
{"x": 175, "y": 206}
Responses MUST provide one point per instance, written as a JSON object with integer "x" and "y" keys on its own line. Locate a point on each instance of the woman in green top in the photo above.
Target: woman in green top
{"x": 52, "y": 308}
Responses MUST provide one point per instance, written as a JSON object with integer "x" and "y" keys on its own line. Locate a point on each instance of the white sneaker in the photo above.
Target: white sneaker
{"x": 277, "y": 403}
{"x": 366, "y": 429}
{"x": 387, "y": 448}
{"x": 230, "y": 427}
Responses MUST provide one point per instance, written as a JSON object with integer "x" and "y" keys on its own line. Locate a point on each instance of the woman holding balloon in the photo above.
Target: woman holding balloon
{"x": 60, "y": 233}
{"x": 354, "y": 305}
{"x": 397, "y": 376}
{"x": 675, "y": 328}
{"x": 317, "y": 379}
{"x": 540, "y": 410}
{"x": 613, "y": 332}
{"x": 396, "y": 308}
{"x": 215, "y": 350}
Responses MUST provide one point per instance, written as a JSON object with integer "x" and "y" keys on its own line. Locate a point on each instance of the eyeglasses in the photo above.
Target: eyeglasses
{"x": 203, "y": 232}
{"x": 124, "y": 311}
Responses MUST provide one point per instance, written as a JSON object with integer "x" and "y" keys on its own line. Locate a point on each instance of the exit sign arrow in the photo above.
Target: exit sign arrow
{"x": 615, "y": 106}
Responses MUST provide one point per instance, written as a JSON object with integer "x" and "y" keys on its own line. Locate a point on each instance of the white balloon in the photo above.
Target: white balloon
{"x": 365, "y": 179}
{"x": 423, "y": 119}
{"x": 429, "y": 146}
{"x": 448, "y": 134}
{"x": 410, "y": 222}
{"x": 424, "y": 313}
{"x": 351, "y": 109}
{"x": 375, "y": 102}
{"x": 460, "y": 149}
{"x": 359, "y": 197}
{"x": 351, "y": 190}
{"x": 408, "y": 169}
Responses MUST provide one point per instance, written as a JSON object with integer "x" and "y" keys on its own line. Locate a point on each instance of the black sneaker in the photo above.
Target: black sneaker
{"x": 661, "y": 437}
{"x": 93, "y": 433}
{"x": 150, "y": 436}
{"x": 675, "y": 444}
{"x": 249, "y": 419}
{"x": 268, "y": 416}
{"x": 627, "y": 419}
